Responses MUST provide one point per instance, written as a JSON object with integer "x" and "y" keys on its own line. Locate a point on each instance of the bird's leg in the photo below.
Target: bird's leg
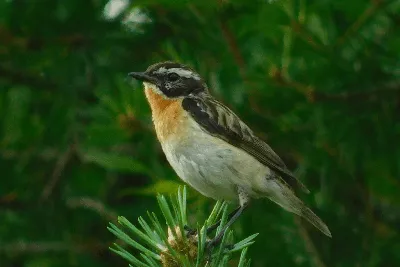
{"x": 215, "y": 225}
{"x": 191, "y": 231}
{"x": 218, "y": 238}
{"x": 244, "y": 201}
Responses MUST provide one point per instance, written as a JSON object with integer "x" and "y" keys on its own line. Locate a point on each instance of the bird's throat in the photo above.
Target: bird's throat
{"x": 166, "y": 113}
{"x": 158, "y": 103}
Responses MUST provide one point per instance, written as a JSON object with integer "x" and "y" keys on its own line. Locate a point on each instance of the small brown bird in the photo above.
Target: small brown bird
{"x": 211, "y": 149}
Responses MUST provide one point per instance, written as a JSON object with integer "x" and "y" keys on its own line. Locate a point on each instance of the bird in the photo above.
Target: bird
{"x": 212, "y": 149}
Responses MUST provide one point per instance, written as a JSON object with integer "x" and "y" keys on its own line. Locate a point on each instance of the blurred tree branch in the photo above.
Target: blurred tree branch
{"x": 377, "y": 92}
{"x": 305, "y": 35}
{"x": 312, "y": 95}
{"x": 27, "y": 79}
{"x": 9, "y": 39}
{"x": 23, "y": 246}
{"x": 362, "y": 20}
{"x": 58, "y": 169}
{"x": 92, "y": 204}
{"x": 233, "y": 47}
{"x": 310, "y": 246}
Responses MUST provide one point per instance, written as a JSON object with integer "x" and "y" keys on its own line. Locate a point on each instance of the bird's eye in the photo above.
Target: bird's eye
{"x": 172, "y": 77}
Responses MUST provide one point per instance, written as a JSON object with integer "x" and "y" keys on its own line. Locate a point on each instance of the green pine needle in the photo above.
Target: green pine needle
{"x": 171, "y": 246}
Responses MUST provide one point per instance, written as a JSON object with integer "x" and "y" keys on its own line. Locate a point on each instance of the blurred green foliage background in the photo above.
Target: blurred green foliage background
{"x": 318, "y": 79}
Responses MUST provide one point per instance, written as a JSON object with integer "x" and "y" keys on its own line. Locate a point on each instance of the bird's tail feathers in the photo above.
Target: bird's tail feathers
{"x": 293, "y": 204}
{"x": 310, "y": 216}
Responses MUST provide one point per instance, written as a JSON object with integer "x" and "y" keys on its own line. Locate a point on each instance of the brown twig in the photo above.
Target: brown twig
{"x": 377, "y": 92}
{"x": 300, "y": 31}
{"x": 279, "y": 78}
{"x": 233, "y": 47}
{"x": 58, "y": 169}
{"x": 21, "y": 246}
{"x": 10, "y": 39}
{"x": 46, "y": 154}
{"x": 313, "y": 95}
{"x": 310, "y": 247}
{"x": 361, "y": 20}
{"x": 92, "y": 204}
{"x": 28, "y": 79}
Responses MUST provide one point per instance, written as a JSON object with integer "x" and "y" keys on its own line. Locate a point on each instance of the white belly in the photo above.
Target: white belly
{"x": 215, "y": 168}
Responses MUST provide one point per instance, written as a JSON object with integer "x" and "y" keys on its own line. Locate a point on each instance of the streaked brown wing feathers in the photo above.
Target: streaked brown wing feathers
{"x": 220, "y": 121}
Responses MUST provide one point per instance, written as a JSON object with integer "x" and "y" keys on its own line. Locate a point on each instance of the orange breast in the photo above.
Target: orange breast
{"x": 168, "y": 115}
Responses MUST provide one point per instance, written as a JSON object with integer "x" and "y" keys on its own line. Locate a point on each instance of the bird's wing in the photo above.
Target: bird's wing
{"x": 220, "y": 121}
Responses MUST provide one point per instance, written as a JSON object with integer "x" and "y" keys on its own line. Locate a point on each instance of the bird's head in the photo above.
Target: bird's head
{"x": 171, "y": 80}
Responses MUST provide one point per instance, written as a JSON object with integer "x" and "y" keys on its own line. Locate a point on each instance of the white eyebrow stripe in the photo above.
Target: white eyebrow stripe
{"x": 181, "y": 72}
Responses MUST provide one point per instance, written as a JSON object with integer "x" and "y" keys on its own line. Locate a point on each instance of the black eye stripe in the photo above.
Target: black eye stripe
{"x": 172, "y": 77}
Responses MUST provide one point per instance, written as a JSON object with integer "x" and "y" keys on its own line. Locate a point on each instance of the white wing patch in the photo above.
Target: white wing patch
{"x": 181, "y": 72}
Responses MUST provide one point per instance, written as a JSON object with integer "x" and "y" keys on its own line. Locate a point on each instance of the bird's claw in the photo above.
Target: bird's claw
{"x": 189, "y": 230}
{"x": 213, "y": 243}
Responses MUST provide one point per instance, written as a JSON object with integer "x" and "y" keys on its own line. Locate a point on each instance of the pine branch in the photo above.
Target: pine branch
{"x": 61, "y": 163}
{"x": 313, "y": 95}
{"x": 177, "y": 246}
{"x": 364, "y": 17}
{"x": 28, "y": 79}
{"x": 233, "y": 47}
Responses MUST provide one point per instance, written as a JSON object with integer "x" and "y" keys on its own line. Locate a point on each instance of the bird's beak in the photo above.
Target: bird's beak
{"x": 142, "y": 76}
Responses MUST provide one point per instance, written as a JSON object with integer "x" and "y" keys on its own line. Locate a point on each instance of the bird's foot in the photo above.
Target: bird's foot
{"x": 213, "y": 243}
{"x": 189, "y": 231}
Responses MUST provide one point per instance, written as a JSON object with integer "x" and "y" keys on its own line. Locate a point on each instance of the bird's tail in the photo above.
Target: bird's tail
{"x": 310, "y": 216}
{"x": 290, "y": 202}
